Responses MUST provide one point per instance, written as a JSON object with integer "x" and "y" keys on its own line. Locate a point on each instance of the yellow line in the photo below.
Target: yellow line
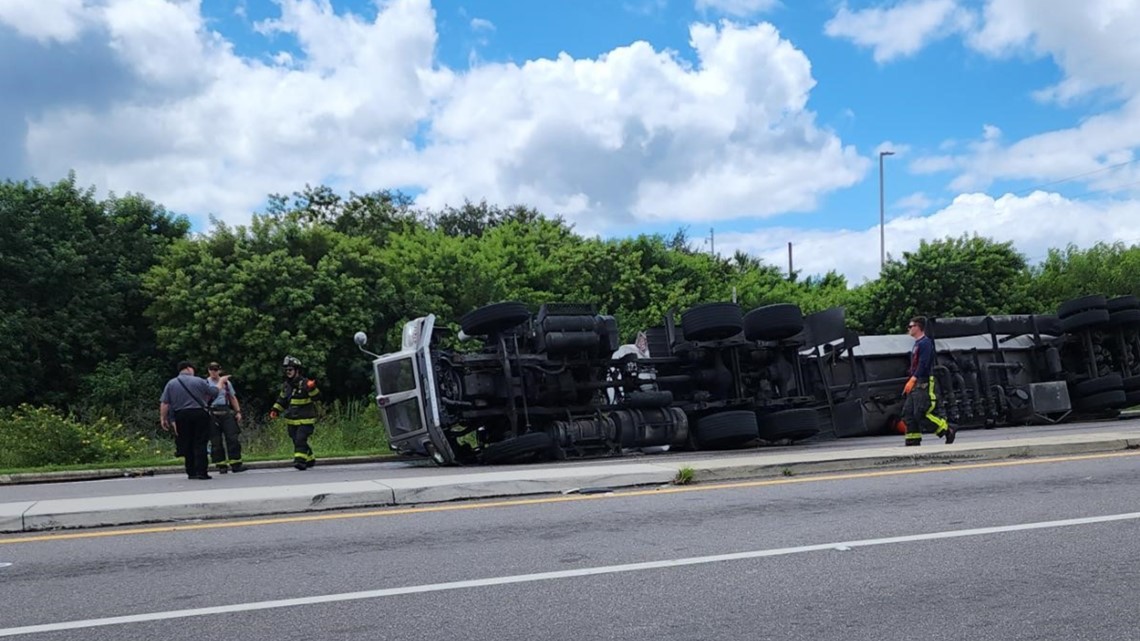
{"x": 450, "y": 507}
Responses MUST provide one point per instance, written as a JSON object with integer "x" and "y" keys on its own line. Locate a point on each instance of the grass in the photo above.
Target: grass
{"x": 350, "y": 428}
{"x": 684, "y": 476}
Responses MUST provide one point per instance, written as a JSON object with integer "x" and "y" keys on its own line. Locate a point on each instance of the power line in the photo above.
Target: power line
{"x": 1065, "y": 180}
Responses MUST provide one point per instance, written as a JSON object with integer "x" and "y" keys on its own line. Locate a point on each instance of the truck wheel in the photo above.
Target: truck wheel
{"x": 1094, "y": 386}
{"x": 773, "y": 322}
{"x": 1115, "y": 399}
{"x": 1121, "y": 303}
{"x": 1084, "y": 320}
{"x": 726, "y": 430}
{"x": 792, "y": 425}
{"x": 1124, "y": 317}
{"x": 1078, "y": 305}
{"x": 514, "y": 450}
{"x": 494, "y": 318}
{"x": 712, "y": 322}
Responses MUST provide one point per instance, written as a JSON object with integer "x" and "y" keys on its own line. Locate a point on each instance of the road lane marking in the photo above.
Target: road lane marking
{"x": 561, "y": 574}
{"x": 450, "y": 507}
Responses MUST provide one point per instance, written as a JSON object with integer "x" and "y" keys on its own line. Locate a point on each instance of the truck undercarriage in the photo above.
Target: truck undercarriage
{"x": 559, "y": 383}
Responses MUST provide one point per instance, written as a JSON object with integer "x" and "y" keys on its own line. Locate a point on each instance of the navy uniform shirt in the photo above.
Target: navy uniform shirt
{"x": 922, "y": 358}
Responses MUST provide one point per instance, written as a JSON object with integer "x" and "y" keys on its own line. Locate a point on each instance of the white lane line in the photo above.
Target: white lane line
{"x": 548, "y": 576}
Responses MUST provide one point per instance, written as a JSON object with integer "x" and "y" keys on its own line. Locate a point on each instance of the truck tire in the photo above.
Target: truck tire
{"x": 494, "y": 318}
{"x": 519, "y": 448}
{"x": 1084, "y": 320}
{"x": 1095, "y": 386}
{"x": 712, "y": 322}
{"x": 1124, "y": 317}
{"x": 791, "y": 425}
{"x": 1121, "y": 303}
{"x": 726, "y": 430}
{"x": 1115, "y": 399}
{"x": 1078, "y": 305}
{"x": 773, "y": 322}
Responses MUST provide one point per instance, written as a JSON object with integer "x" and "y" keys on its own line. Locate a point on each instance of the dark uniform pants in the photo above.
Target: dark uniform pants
{"x": 921, "y": 410}
{"x": 300, "y": 433}
{"x": 225, "y": 447}
{"x": 193, "y": 433}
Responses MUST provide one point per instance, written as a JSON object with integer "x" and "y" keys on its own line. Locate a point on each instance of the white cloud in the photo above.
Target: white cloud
{"x": 1034, "y": 223}
{"x": 44, "y": 20}
{"x": 901, "y": 30}
{"x": 737, "y": 8}
{"x": 481, "y": 24}
{"x": 635, "y": 134}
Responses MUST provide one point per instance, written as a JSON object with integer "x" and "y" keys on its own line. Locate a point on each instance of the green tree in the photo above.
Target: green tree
{"x": 964, "y": 276}
{"x": 70, "y": 269}
{"x": 249, "y": 296}
{"x": 1111, "y": 270}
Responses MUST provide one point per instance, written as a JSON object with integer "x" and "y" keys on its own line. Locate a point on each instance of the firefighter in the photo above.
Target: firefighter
{"x": 298, "y": 403}
{"x": 921, "y": 404}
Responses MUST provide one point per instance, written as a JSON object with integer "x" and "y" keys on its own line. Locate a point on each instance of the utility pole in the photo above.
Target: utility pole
{"x": 882, "y": 215}
{"x": 790, "y": 272}
{"x": 712, "y": 241}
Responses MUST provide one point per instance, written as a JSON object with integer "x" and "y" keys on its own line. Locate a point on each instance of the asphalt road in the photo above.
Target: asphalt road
{"x": 1025, "y": 550}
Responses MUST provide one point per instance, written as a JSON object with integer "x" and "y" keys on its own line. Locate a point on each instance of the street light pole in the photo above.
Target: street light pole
{"x": 882, "y": 215}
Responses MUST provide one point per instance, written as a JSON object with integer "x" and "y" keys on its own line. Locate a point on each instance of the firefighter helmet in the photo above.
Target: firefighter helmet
{"x": 291, "y": 361}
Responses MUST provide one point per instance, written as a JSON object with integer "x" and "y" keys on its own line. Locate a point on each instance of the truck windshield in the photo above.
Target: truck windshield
{"x": 404, "y": 417}
{"x": 396, "y": 376}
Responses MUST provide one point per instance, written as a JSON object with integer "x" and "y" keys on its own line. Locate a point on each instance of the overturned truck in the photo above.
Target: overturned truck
{"x": 559, "y": 383}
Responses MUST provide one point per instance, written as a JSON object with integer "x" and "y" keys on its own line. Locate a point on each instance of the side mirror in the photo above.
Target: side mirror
{"x": 361, "y": 339}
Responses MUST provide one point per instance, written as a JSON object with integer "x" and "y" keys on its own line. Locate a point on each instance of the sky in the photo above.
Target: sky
{"x": 748, "y": 123}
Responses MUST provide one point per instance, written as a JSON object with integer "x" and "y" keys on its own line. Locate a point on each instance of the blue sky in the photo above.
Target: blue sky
{"x": 758, "y": 118}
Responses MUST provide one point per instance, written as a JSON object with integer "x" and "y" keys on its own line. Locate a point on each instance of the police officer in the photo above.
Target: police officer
{"x": 297, "y": 402}
{"x": 183, "y": 408}
{"x": 921, "y": 402}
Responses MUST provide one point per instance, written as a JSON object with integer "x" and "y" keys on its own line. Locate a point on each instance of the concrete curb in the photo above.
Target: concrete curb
{"x": 172, "y": 507}
{"x": 725, "y": 471}
{"x": 22, "y": 478}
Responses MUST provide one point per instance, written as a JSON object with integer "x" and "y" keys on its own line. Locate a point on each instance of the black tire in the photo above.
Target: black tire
{"x": 494, "y": 318}
{"x": 519, "y": 448}
{"x": 1121, "y": 303}
{"x": 1115, "y": 399}
{"x": 643, "y": 400}
{"x": 773, "y": 322}
{"x": 1078, "y": 305}
{"x": 1132, "y": 398}
{"x": 791, "y": 425}
{"x": 1132, "y": 384}
{"x": 1084, "y": 320}
{"x": 712, "y": 322}
{"x": 1095, "y": 386}
{"x": 1124, "y": 317}
{"x": 726, "y": 429}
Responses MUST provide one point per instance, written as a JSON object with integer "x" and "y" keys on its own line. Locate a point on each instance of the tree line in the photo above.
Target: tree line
{"x": 103, "y": 296}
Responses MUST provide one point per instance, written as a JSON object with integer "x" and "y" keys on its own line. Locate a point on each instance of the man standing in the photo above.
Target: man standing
{"x": 226, "y": 414}
{"x": 920, "y": 406}
{"x": 298, "y": 402}
{"x": 182, "y": 408}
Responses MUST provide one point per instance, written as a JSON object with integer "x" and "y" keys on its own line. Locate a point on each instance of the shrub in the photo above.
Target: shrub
{"x": 40, "y": 436}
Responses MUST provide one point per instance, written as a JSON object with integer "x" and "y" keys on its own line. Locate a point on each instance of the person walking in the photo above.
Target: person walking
{"x": 183, "y": 408}
{"x": 297, "y": 401}
{"x": 921, "y": 405}
{"x": 225, "y": 447}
